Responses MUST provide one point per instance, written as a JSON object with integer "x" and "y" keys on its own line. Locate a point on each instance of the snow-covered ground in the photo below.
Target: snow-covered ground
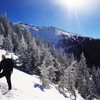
{"x": 7, "y": 54}
{"x": 28, "y": 87}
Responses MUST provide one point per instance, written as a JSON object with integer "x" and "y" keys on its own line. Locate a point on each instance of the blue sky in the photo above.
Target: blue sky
{"x": 49, "y": 13}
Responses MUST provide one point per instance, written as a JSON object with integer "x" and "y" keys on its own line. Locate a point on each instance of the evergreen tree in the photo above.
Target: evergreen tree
{"x": 83, "y": 82}
{"x": 2, "y": 29}
{"x": 1, "y": 40}
{"x": 7, "y": 43}
{"x": 44, "y": 72}
{"x": 96, "y": 78}
{"x": 67, "y": 80}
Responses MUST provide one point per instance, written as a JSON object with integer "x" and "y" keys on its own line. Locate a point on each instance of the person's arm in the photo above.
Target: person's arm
{"x": 1, "y": 66}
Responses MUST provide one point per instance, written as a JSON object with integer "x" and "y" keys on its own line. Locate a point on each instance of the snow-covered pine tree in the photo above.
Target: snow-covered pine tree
{"x": 67, "y": 80}
{"x": 7, "y": 43}
{"x": 1, "y": 40}
{"x": 44, "y": 75}
{"x": 2, "y": 29}
{"x": 96, "y": 79}
{"x": 84, "y": 83}
{"x": 22, "y": 46}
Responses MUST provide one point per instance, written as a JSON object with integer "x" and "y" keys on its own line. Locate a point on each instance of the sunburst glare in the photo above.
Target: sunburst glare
{"x": 76, "y": 9}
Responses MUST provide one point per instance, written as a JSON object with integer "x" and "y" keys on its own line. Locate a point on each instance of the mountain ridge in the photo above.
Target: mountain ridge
{"x": 54, "y": 27}
{"x": 52, "y": 34}
{"x": 37, "y": 26}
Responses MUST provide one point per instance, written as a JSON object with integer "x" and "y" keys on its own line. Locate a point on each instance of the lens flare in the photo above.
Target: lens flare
{"x": 77, "y": 9}
{"x": 72, "y": 4}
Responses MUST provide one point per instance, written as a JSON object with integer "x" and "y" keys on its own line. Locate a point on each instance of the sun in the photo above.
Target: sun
{"x": 73, "y": 8}
{"x": 78, "y": 6}
{"x": 73, "y": 4}
{"x": 76, "y": 10}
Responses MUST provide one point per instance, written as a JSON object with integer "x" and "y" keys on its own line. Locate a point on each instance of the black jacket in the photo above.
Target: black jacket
{"x": 7, "y": 65}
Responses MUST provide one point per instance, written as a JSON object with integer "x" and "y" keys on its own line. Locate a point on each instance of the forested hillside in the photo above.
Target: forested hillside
{"x": 52, "y": 64}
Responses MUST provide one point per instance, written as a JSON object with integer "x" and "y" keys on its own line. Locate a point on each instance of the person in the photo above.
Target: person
{"x": 6, "y": 65}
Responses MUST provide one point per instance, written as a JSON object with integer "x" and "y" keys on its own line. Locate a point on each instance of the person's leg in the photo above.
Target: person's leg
{"x": 8, "y": 78}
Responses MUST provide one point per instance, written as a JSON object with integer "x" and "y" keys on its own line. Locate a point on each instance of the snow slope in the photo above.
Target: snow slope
{"x": 28, "y": 87}
{"x": 23, "y": 88}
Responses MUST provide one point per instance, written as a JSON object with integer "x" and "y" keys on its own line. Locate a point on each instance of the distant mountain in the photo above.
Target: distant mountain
{"x": 55, "y": 36}
{"x": 70, "y": 42}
